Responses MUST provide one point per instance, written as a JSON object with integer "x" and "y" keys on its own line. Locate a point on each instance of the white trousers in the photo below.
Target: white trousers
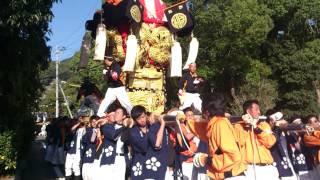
{"x": 188, "y": 172}
{"x": 268, "y": 172}
{"x": 119, "y": 168}
{"x": 105, "y": 172}
{"x": 90, "y": 171}
{"x": 202, "y": 176}
{"x": 192, "y": 173}
{"x": 116, "y": 170}
{"x": 169, "y": 174}
{"x": 72, "y": 165}
{"x": 192, "y": 98}
{"x": 111, "y": 95}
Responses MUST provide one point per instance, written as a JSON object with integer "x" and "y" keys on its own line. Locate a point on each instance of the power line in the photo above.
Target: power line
{"x": 61, "y": 43}
{"x": 76, "y": 30}
{"x": 69, "y": 53}
{"x": 71, "y": 43}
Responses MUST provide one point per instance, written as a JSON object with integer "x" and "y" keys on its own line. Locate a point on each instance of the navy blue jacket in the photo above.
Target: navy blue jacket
{"x": 71, "y": 142}
{"x": 147, "y": 161}
{"x": 89, "y": 148}
{"x": 190, "y": 87}
{"x": 298, "y": 158}
{"x": 109, "y": 145}
{"x": 279, "y": 156}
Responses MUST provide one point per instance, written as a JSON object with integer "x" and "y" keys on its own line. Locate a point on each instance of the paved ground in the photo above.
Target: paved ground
{"x": 35, "y": 167}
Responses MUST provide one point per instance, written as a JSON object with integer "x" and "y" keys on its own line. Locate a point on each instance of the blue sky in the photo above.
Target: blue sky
{"x": 68, "y": 24}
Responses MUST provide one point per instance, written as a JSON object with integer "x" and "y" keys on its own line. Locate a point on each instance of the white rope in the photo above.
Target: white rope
{"x": 254, "y": 153}
{"x": 183, "y": 138}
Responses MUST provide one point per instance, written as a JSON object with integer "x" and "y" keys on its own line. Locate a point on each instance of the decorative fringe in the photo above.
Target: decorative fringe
{"x": 193, "y": 52}
{"x": 101, "y": 42}
{"x": 85, "y": 51}
{"x": 132, "y": 46}
{"x": 176, "y": 60}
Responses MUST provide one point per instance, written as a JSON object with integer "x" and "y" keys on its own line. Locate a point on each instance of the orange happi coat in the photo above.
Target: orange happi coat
{"x": 313, "y": 140}
{"x": 255, "y": 146}
{"x": 224, "y": 152}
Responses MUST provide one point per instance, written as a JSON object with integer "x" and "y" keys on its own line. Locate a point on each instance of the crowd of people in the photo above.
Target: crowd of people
{"x": 147, "y": 146}
{"x": 199, "y": 141}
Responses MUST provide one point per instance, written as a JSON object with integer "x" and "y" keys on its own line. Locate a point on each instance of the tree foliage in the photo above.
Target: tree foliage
{"x": 70, "y": 77}
{"x": 24, "y": 53}
{"x": 292, "y": 53}
{"x": 265, "y": 50}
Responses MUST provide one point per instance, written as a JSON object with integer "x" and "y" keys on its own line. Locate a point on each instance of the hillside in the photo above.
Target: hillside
{"x": 65, "y": 72}
{"x": 72, "y": 78}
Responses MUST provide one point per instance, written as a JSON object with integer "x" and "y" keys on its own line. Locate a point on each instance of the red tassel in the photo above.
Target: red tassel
{"x": 124, "y": 30}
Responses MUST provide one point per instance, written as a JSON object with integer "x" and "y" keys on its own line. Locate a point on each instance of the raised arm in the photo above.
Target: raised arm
{"x": 110, "y": 132}
{"x": 265, "y": 135}
{"x": 160, "y": 134}
{"x": 313, "y": 139}
{"x": 75, "y": 126}
{"x": 156, "y": 134}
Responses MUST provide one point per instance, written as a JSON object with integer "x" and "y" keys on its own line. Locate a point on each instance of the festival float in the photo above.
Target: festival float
{"x": 141, "y": 35}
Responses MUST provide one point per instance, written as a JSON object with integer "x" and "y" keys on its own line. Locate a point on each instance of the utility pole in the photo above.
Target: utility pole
{"x": 66, "y": 101}
{"x": 57, "y": 52}
{"x": 57, "y": 82}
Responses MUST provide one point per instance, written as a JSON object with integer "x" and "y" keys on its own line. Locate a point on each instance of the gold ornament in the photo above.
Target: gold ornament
{"x": 147, "y": 86}
{"x": 153, "y": 101}
{"x": 146, "y": 78}
{"x": 135, "y": 13}
{"x": 156, "y": 41}
{"x": 159, "y": 55}
{"x": 160, "y": 35}
{"x": 179, "y": 20}
{"x": 145, "y": 33}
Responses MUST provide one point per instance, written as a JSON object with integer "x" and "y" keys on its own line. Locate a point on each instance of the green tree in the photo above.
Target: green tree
{"x": 297, "y": 72}
{"x": 230, "y": 35}
{"x": 291, "y": 52}
{"x": 24, "y": 52}
{"x": 257, "y": 86}
{"x": 71, "y": 78}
